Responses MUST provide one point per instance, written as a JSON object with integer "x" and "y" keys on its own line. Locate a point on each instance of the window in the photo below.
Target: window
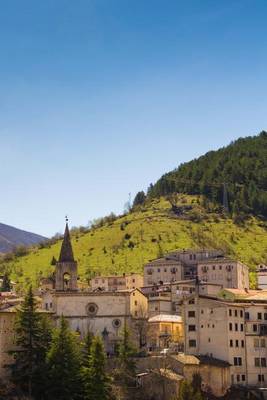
{"x": 263, "y": 362}
{"x": 255, "y": 328}
{"x": 256, "y": 343}
{"x": 237, "y": 361}
{"x": 261, "y": 378}
{"x": 238, "y": 378}
{"x": 202, "y": 311}
{"x": 259, "y": 315}
{"x": 231, "y": 343}
{"x": 158, "y": 269}
{"x": 241, "y": 315}
{"x": 263, "y": 329}
{"x": 135, "y": 303}
{"x": 236, "y": 343}
{"x": 191, "y": 328}
{"x": 46, "y": 306}
{"x": 192, "y": 301}
{"x": 256, "y": 362}
{"x": 230, "y": 312}
{"x": 265, "y": 316}
{"x": 242, "y": 343}
{"x": 236, "y": 327}
{"x": 116, "y": 323}
{"x": 243, "y": 378}
{"x": 191, "y": 314}
{"x": 220, "y": 267}
{"x": 192, "y": 343}
{"x": 165, "y": 269}
{"x": 247, "y": 315}
{"x": 262, "y": 342}
{"x": 230, "y": 326}
{"x": 235, "y": 313}
{"x": 213, "y": 267}
{"x": 241, "y": 327}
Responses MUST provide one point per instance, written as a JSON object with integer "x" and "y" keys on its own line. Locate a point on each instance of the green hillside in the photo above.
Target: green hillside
{"x": 239, "y": 170}
{"x": 149, "y": 231}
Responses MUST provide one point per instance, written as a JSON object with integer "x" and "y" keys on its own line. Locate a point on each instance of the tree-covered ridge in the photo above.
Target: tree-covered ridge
{"x": 241, "y": 167}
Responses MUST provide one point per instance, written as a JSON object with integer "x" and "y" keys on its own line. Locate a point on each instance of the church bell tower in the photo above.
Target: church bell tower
{"x": 66, "y": 267}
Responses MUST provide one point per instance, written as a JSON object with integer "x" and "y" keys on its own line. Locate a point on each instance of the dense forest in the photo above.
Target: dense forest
{"x": 234, "y": 176}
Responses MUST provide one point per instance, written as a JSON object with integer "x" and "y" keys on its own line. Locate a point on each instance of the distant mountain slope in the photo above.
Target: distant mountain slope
{"x": 126, "y": 244}
{"x": 11, "y": 237}
{"x": 242, "y": 166}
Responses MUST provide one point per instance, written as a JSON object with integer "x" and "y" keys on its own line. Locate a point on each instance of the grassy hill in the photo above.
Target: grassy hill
{"x": 126, "y": 244}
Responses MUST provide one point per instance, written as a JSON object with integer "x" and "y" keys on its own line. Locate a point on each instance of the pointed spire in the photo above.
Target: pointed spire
{"x": 66, "y": 253}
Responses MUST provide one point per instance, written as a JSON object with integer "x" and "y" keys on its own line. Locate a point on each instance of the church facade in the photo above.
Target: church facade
{"x": 101, "y": 313}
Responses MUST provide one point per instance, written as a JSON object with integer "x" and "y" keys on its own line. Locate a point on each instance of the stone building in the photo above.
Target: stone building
{"x": 117, "y": 282}
{"x": 103, "y": 313}
{"x": 232, "y": 328}
{"x": 205, "y": 265}
{"x": 164, "y": 331}
{"x": 224, "y": 271}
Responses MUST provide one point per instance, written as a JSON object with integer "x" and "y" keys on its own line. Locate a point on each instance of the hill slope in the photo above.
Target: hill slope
{"x": 242, "y": 166}
{"x": 11, "y": 237}
{"x": 127, "y": 243}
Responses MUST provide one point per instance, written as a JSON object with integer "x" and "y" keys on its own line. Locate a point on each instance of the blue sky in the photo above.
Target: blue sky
{"x": 98, "y": 98}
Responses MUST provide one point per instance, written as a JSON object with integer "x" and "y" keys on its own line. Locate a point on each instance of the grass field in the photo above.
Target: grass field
{"x": 126, "y": 244}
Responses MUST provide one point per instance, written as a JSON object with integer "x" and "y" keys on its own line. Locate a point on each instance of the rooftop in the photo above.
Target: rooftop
{"x": 200, "y": 359}
{"x": 166, "y": 318}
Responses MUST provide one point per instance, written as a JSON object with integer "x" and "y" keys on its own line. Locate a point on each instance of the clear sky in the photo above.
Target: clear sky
{"x": 98, "y": 98}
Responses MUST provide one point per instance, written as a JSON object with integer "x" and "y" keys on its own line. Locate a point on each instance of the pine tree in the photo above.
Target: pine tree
{"x": 28, "y": 342}
{"x": 6, "y": 284}
{"x": 96, "y": 381}
{"x": 87, "y": 343}
{"x": 126, "y": 361}
{"x": 64, "y": 365}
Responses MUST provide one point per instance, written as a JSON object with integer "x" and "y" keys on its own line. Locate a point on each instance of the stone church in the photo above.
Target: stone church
{"x": 103, "y": 313}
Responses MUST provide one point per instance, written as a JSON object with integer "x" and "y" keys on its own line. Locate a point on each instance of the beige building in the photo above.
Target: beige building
{"x": 116, "y": 282}
{"x": 223, "y": 271}
{"x": 162, "y": 270}
{"x": 215, "y": 373}
{"x": 206, "y": 265}
{"x": 232, "y": 328}
{"x": 165, "y": 331}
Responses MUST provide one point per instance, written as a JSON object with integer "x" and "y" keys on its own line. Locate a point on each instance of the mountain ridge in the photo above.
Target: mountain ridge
{"x": 11, "y": 237}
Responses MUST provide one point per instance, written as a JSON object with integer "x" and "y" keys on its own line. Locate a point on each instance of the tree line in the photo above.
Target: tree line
{"x": 240, "y": 169}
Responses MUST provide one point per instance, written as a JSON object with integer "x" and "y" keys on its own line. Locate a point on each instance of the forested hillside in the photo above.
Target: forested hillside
{"x": 237, "y": 172}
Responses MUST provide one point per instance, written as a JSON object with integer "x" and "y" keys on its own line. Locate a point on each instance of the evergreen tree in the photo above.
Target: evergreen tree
{"x": 64, "y": 365}
{"x": 6, "y": 284}
{"x": 87, "y": 343}
{"x": 186, "y": 391}
{"x": 139, "y": 199}
{"x": 96, "y": 381}
{"x": 126, "y": 361}
{"x": 28, "y": 341}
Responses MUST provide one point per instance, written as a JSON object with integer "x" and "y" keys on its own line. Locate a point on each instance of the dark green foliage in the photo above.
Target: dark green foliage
{"x": 32, "y": 340}
{"x": 53, "y": 261}
{"x": 96, "y": 381}
{"x": 64, "y": 365}
{"x": 126, "y": 360}
{"x": 6, "y": 284}
{"x": 242, "y": 166}
{"x": 127, "y": 236}
{"x": 139, "y": 199}
{"x": 88, "y": 340}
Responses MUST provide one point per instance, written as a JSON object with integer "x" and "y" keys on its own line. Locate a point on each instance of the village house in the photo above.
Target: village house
{"x": 117, "y": 282}
{"x": 165, "y": 331}
{"x": 232, "y": 328}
